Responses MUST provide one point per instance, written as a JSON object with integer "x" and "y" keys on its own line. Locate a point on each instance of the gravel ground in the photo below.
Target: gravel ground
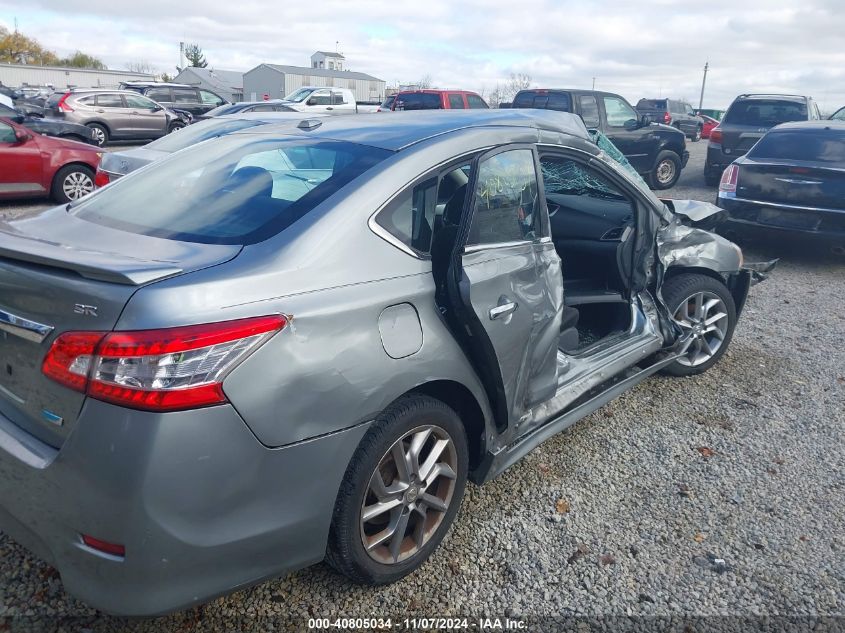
{"x": 719, "y": 495}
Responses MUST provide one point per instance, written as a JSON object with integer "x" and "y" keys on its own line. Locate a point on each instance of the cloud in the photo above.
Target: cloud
{"x": 650, "y": 49}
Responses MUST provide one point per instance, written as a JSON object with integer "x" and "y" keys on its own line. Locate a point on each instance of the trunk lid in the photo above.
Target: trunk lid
{"x": 738, "y": 139}
{"x": 798, "y": 183}
{"x": 56, "y": 277}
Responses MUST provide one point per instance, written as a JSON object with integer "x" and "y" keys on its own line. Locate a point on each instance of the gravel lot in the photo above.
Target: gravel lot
{"x": 722, "y": 494}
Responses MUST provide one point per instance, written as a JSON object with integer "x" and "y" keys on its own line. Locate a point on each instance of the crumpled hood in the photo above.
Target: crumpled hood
{"x": 694, "y": 210}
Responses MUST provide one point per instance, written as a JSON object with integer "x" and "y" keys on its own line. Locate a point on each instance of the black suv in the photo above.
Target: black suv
{"x": 678, "y": 114}
{"x": 191, "y": 99}
{"x": 657, "y": 152}
{"x": 748, "y": 118}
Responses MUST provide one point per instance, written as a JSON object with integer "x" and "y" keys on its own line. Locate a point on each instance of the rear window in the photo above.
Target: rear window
{"x": 388, "y": 102}
{"x": 765, "y": 112}
{"x": 652, "y": 104}
{"x": 237, "y": 189}
{"x": 418, "y": 101}
{"x": 824, "y": 146}
{"x": 559, "y": 101}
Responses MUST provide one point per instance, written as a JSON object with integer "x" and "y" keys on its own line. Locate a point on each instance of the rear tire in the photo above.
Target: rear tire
{"x": 666, "y": 170}
{"x": 381, "y": 479}
{"x": 102, "y": 134}
{"x": 71, "y": 183}
{"x": 704, "y": 306}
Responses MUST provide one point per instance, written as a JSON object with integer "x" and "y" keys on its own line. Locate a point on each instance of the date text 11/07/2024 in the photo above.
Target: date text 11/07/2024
{"x": 483, "y": 624}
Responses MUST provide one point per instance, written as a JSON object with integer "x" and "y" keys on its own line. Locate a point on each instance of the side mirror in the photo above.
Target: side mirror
{"x": 157, "y": 108}
{"x": 21, "y": 136}
{"x": 645, "y": 120}
{"x": 631, "y": 124}
{"x": 19, "y": 118}
{"x": 311, "y": 101}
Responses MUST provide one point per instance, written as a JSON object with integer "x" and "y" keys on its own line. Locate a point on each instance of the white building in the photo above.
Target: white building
{"x": 59, "y": 77}
{"x": 278, "y": 81}
{"x": 329, "y": 61}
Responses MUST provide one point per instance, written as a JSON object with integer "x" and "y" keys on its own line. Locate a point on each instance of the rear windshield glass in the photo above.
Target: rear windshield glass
{"x": 226, "y": 108}
{"x": 765, "y": 112}
{"x": 651, "y": 104}
{"x": 237, "y": 189}
{"x": 559, "y": 101}
{"x": 824, "y": 146}
{"x": 418, "y": 101}
{"x": 201, "y": 131}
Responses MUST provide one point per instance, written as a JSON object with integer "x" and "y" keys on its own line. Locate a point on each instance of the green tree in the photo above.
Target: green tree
{"x": 82, "y": 60}
{"x": 17, "y": 48}
{"x": 193, "y": 53}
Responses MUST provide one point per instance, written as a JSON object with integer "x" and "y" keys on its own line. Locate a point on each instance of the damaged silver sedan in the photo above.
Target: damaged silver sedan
{"x": 299, "y": 341}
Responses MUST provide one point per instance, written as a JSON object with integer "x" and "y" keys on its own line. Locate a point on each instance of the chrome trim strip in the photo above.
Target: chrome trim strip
{"x": 475, "y": 248}
{"x": 780, "y": 205}
{"x": 24, "y": 328}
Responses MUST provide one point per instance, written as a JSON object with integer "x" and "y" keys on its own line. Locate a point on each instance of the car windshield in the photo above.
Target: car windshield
{"x": 822, "y": 146}
{"x": 200, "y": 131}
{"x": 765, "y": 112}
{"x": 300, "y": 95}
{"x": 237, "y": 189}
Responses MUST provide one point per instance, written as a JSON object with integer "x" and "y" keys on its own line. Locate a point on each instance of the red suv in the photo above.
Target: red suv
{"x": 32, "y": 165}
{"x": 438, "y": 100}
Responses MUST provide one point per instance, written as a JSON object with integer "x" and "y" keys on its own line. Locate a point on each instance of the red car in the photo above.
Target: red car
{"x": 438, "y": 100}
{"x": 32, "y": 165}
{"x": 709, "y": 124}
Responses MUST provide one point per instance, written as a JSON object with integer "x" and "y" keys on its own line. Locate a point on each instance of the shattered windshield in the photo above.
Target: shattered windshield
{"x": 568, "y": 178}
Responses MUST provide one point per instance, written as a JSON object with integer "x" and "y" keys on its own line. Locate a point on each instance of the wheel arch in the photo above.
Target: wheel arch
{"x": 102, "y": 124}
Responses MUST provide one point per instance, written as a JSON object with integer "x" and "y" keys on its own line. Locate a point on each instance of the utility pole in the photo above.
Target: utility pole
{"x": 703, "y": 81}
{"x": 594, "y": 83}
{"x": 181, "y": 56}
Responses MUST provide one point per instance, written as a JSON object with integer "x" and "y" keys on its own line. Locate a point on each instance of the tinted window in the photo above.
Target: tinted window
{"x": 137, "y": 101}
{"x": 559, "y": 101}
{"x": 210, "y": 98}
{"x": 418, "y": 101}
{"x": 159, "y": 94}
{"x": 648, "y": 104}
{"x": 227, "y": 109}
{"x": 456, "y": 102}
{"x": 477, "y": 103}
{"x": 825, "y": 146}
{"x": 261, "y": 108}
{"x": 589, "y": 111}
{"x": 388, "y": 102}
{"x": 7, "y": 133}
{"x": 410, "y": 218}
{"x": 765, "y": 112}
{"x": 89, "y": 101}
{"x": 618, "y": 111}
{"x": 238, "y": 189}
{"x": 320, "y": 98}
{"x": 184, "y": 95}
{"x": 109, "y": 101}
{"x": 506, "y": 199}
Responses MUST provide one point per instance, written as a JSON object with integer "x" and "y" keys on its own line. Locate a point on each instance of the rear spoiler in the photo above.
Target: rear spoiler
{"x": 100, "y": 266}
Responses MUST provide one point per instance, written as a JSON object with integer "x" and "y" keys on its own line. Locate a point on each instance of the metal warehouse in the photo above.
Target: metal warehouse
{"x": 60, "y": 77}
{"x": 226, "y": 83}
{"x": 278, "y": 81}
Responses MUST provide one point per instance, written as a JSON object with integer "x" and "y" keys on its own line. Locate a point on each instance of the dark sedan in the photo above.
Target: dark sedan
{"x": 50, "y": 127}
{"x": 276, "y": 105}
{"x": 792, "y": 180}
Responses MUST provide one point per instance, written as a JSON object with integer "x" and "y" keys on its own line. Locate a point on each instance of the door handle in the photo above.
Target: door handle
{"x": 329, "y": 108}
{"x": 100, "y": 110}
{"x": 502, "y": 310}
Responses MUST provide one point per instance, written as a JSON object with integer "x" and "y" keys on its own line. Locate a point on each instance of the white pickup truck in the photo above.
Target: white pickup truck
{"x": 326, "y": 100}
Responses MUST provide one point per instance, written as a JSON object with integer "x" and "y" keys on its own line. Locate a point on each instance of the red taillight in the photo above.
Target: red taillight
{"x": 667, "y": 118}
{"x": 716, "y": 135}
{"x": 62, "y": 105}
{"x": 101, "y": 178}
{"x": 115, "y": 549}
{"x": 157, "y": 370}
{"x": 729, "y": 178}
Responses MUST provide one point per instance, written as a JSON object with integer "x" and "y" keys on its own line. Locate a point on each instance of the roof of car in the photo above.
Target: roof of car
{"x": 436, "y": 91}
{"x": 154, "y": 84}
{"x": 824, "y": 124}
{"x": 772, "y": 96}
{"x": 403, "y": 129}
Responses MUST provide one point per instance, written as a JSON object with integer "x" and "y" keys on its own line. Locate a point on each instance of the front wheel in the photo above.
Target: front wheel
{"x": 71, "y": 183}
{"x": 101, "y": 134}
{"x": 705, "y": 310}
{"x": 666, "y": 171}
{"x": 401, "y": 492}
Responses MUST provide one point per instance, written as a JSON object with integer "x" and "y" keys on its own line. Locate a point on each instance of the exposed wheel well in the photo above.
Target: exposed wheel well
{"x": 459, "y": 398}
{"x": 674, "y": 271}
{"x": 101, "y": 124}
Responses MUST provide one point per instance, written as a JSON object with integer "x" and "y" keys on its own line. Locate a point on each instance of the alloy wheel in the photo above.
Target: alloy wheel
{"x": 99, "y": 136}
{"x": 704, "y": 317}
{"x": 665, "y": 171}
{"x": 409, "y": 494}
{"x": 77, "y": 184}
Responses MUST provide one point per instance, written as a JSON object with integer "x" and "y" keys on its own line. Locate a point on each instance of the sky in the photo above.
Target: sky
{"x": 652, "y": 48}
